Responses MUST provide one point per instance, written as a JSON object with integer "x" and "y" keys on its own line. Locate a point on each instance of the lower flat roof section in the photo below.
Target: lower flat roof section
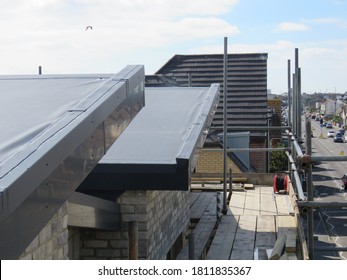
{"x": 158, "y": 150}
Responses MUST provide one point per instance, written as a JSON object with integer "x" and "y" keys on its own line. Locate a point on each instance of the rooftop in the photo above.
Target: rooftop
{"x": 158, "y": 149}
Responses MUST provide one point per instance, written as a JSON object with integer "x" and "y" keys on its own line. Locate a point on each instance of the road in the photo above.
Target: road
{"x": 330, "y": 224}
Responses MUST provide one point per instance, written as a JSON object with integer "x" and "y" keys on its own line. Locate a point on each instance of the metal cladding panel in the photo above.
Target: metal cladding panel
{"x": 42, "y": 167}
{"x": 159, "y": 148}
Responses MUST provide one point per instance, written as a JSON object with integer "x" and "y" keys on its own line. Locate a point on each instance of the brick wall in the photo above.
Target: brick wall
{"x": 52, "y": 241}
{"x": 258, "y": 159}
{"x": 161, "y": 215}
{"x": 212, "y": 162}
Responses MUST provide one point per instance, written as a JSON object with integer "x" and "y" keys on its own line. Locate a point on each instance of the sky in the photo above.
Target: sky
{"x": 52, "y": 34}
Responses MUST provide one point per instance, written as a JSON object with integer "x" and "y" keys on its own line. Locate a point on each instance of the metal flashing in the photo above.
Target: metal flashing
{"x": 40, "y": 170}
{"x": 159, "y": 149}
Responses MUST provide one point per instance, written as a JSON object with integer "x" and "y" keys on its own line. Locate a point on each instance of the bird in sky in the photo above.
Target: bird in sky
{"x": 89, "y": 27}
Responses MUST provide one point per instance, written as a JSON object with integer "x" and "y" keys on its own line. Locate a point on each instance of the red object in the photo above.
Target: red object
{"x": 281, "y": 183}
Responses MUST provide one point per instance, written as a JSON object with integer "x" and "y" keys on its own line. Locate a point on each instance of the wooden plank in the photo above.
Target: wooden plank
{"x": 202, "y": 233}
{"x": 184, "y": 253}
{"x": 237, "y": 203}
{"x": 286, "y": 225}
{"x": 216, "y": 179}
{"x": 92, "y": 212}
{"x": 283, "y": 205}
{"x": 267, "y": 202}
{"x": 212, "y": 206}
{"x": 260, "y": 254}
{"x": 266, "y": 232}
{"x": 207, "y": 187}
{"x": 224, "y": 238}
{"x": 200, "y": 205}
{"x": 243, "y": 248}
{"x": 193, "y": 196}
{"x": 217, "y": 187}
{"x": 252, "y": 202}
{"x": 248, "y": 186}
{"x": 278, "y": 249}
{"x": 292, "y": 256}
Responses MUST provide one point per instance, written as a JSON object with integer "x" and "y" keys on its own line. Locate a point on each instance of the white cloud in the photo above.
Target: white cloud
{"x": 159, "y": 8}
{"x": 291, "y": 26}
{"x": 53, "y": 32}
{"x": 340, "y": 23}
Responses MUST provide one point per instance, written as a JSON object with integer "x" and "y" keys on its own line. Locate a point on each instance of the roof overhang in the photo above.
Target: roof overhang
{"x": 55, "y": 129}
{"x": 159, "y": 149}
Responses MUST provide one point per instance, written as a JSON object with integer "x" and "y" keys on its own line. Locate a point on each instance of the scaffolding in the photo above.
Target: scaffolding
{"x": 300, "y": 160}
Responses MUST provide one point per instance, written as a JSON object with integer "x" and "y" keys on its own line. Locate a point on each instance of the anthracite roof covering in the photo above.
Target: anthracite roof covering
{"x": 158, "y": 149}
{"x": 55, "y": 128}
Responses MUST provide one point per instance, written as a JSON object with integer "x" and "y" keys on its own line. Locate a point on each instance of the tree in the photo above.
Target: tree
{"x": 278, "y": 160}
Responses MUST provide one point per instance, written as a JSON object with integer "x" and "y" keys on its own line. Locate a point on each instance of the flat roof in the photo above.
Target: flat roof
{"x": 55, "y": 128}
{"x": 31, "y": 105}
{"x": 158, "y": 149}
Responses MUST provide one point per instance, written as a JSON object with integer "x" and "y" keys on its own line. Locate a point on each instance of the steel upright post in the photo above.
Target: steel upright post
{"x": 297, "y": 97}
{"x": 299, "y": 137}
{"x": 289, "y": 96}
{"x": 225, "y": 101}
{"x": 294, "y": 124}
{"x": 309, "y": 187}
{"x": 133, "y": 240}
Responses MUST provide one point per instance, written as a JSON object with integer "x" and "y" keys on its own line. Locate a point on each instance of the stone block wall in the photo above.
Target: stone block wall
{"x": 162, "y": 216}
{"x": 52, "y": 241}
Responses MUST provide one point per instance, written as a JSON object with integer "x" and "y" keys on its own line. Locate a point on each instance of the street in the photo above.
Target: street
{"x": 330, "y": 224}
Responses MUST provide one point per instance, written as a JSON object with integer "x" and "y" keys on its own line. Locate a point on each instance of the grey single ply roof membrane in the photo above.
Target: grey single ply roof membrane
{"x": 35, "y": 103}
{"x": 158, "y": 132}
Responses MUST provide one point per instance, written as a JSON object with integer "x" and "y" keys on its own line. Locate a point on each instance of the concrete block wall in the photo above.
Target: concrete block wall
{"x": 161, "y": 215}
{"x": 52, "y": 241}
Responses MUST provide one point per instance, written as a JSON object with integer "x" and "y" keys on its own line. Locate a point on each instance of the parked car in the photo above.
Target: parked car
{"x": 338, "y": 138}
{"x": 329, "y": 125}
{"x": 331, "y": 133}
{"x": 342, "y": 131}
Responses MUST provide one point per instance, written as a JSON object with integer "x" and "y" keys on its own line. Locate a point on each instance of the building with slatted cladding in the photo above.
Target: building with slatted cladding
{"x": 246, "y": 93}
{"x": 247, "y": 84}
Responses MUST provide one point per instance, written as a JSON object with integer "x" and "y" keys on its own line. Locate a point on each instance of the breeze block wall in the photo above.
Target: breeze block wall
{"x": 162, "y": 217}
{"x": 52, "y": 241}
